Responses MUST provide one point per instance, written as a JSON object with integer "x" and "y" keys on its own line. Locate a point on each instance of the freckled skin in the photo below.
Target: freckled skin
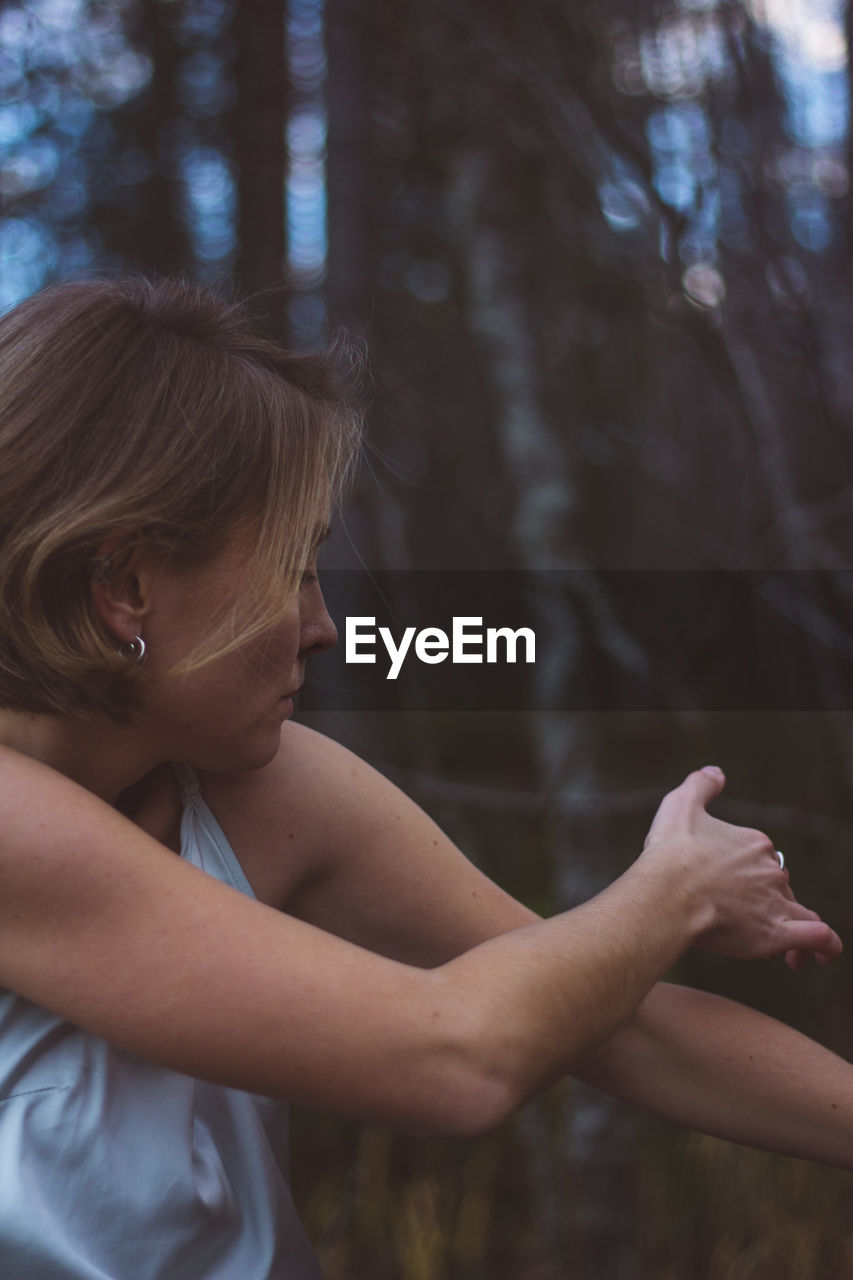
{"x": 226, "y": 716}
{"x": 223, "y": 717}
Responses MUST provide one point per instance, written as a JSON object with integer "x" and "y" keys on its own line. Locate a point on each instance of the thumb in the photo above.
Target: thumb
{"x": 698, "y": 788}
{"x": 705, "y": 784}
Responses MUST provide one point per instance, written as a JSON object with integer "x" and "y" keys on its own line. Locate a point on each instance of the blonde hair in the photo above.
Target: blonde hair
{"x": 150, "y": 414}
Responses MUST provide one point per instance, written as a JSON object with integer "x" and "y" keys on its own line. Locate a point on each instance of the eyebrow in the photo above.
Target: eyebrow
{"x": 323, "y": 535}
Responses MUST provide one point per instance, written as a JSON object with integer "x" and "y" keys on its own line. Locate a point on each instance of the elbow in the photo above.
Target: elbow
{"x": 465, "y": 1089}
{"x": 490, "y": 1104}
{"x": 469, "y": 1107}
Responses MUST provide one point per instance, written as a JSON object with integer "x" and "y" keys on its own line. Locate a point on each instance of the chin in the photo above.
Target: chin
{"x": 240, "y": 754}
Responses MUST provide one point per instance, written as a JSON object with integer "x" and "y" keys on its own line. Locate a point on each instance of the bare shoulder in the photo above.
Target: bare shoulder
{"x": 323, "y": 834}
{"x": 90, "y": 904}
{"x": 290, "y": 821}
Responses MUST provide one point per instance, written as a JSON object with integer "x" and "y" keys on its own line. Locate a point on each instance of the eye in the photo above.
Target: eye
{"x": 308, "y": 577}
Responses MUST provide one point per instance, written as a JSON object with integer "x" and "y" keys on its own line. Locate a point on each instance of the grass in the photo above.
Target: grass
{"x": 680, "y": 1206}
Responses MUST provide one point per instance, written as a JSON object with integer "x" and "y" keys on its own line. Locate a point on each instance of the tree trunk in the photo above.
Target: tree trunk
{"x": 259, "y": 125}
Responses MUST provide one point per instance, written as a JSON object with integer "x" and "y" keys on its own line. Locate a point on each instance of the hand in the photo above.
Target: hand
{"x": 747, "y": 909}
{"x": 798, "y": 959}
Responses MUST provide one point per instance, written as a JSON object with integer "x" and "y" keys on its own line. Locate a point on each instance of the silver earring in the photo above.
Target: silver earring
{"x": 134, "y": 648}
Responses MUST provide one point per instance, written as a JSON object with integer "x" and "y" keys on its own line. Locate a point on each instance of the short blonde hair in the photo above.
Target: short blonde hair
{"x": 150, "y": 412}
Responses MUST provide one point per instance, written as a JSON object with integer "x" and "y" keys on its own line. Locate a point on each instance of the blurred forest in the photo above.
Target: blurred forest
{"x": 600, "y": 254}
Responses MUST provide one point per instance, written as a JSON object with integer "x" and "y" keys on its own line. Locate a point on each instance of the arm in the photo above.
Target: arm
{"x": 693, "y": 1058}
{"x": 726, "y": 1070}
{"x": 238, "y": 993}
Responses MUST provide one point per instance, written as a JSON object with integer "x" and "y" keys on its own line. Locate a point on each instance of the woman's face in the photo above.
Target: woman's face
{"x": 226, "y": 716}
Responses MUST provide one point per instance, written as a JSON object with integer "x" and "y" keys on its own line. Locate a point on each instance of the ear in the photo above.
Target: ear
{"x": 122, "y": 601}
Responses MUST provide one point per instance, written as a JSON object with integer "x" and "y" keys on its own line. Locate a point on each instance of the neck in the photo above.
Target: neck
{"x": 103, "y": 757}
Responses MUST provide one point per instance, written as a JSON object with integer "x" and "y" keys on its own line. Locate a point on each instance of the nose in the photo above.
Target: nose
{"x": 318, "y": 633}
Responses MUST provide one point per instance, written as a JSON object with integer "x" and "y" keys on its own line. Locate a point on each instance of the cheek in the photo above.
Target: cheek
{"x": 263, "y": 667}
{"x": 272, "y": 656}
{"x": 282, "y": 642}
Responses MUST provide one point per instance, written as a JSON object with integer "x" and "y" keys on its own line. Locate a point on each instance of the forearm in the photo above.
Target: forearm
{"x": 726, "y": 1070}
{"x": 537, "y": 998}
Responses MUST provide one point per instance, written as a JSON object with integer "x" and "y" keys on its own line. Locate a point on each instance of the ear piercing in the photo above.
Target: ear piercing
{"x": 100, "y": 569}
{"x": 134, "y": 648}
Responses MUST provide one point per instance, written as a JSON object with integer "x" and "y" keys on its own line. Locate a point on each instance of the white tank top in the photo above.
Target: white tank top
{"x": 114, "y": 1169}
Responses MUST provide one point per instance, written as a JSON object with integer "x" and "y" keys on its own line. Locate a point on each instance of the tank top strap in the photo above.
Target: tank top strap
{"x": 187, "y": 781}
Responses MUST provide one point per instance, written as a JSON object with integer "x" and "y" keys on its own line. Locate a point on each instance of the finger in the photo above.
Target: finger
{"x": 797, "y": 960}
{"x": 701, "y": 786}
{"x": 785, "y": 887}
{"x": 705, "y": 784}
{"x": 802, "y": 913}
{"x": 698, "y": 789}
{"x": 810, "y": 935}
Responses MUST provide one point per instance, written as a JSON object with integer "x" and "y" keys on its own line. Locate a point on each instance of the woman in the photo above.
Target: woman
{"x": 206, "y": 909}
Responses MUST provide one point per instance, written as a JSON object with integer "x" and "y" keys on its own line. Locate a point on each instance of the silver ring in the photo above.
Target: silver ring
{"x": 780, "y": 855}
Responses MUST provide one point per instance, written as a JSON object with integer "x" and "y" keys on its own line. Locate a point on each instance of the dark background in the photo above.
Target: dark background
{"x": 600, "y": 256}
